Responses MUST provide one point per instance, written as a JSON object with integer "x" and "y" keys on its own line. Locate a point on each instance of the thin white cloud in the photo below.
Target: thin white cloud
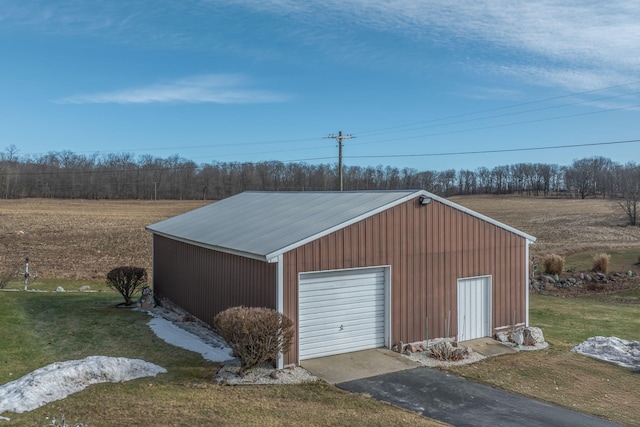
{"x": 212, "y": 88}
{"x": 563, "y": 37}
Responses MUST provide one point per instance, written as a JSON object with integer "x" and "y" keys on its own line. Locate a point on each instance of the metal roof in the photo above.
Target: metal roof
{"x": 263, "y": 225}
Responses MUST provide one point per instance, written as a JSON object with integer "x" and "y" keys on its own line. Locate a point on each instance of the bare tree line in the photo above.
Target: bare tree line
{"x": 124, "y": 176}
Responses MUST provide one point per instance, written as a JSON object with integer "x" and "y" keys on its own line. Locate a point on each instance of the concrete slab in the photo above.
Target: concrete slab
{"x": 488, "y": 347}
{"x": 357, "y": 365}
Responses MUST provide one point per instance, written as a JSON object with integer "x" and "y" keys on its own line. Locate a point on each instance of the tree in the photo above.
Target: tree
{"x": 126, "y": 280}
{"x": 628, "y": 178}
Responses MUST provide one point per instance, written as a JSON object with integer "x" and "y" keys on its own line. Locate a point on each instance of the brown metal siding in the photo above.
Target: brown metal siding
{"x": 205, "y": 282}
{"x": 429, "y": 248}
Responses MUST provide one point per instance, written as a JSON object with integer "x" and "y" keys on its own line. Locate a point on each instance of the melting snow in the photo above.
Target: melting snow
{"x": 612, "y": 349}
{"x": 58, "y": 380}
{"x": 178, "y": 337}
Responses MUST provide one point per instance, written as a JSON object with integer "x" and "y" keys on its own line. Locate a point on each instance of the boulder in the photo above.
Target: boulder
{"x": 502, "y": 337}
{"x": 59, "y": 289}
{"x": 517, "y": 337}
{"x": 533, "y": 334}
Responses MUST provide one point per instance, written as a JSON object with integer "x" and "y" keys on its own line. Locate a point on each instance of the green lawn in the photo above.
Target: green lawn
{"x": 39, "y": 328}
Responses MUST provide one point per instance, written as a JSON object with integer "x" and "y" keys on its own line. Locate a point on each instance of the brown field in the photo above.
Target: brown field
{"x": 81, "y": 239}
{"x": 84, "y": 239}
{"x": 562, "y": 226}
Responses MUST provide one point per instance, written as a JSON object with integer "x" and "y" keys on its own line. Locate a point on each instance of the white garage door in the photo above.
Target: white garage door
{"x": 474, "y": 308}
{"x": 341, "y": 311}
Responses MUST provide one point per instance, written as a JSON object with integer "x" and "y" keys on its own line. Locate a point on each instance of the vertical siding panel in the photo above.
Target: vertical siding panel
{"x": 205, "y": 282}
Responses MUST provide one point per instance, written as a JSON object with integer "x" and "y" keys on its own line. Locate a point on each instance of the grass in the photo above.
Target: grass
{"x": 38, "y": 328}
{"x": 622, "y": 260}
{"x": 559, "y": 376}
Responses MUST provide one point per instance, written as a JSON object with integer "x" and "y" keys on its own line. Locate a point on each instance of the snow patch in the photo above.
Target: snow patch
{"x": 178, "y": 337}
{"x": 613, "y": 350}
{"x": 58, "y": 380}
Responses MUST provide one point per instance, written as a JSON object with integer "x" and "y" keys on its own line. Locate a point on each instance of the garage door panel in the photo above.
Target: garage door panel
{"x": 341, "y": 311}
{"x": 331, "y": 329}
{"x": 357, "y": 306}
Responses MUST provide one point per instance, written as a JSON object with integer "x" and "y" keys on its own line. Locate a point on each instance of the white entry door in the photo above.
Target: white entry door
{"x": 474, "y": 308}
{"x": 341, "y": 311}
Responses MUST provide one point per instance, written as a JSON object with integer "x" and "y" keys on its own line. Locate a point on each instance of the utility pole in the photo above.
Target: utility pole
{"x": 339, "y": 138}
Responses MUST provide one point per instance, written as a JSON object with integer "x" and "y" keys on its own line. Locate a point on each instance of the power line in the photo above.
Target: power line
{"x": 506, "y": 150}
{"x": 553, "y": 98}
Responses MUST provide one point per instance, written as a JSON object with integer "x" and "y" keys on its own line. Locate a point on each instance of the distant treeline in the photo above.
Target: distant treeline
{"x": 125, "y": 176}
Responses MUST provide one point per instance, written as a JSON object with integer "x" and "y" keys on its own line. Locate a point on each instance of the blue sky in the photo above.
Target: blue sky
{"x": 254, "y": 80}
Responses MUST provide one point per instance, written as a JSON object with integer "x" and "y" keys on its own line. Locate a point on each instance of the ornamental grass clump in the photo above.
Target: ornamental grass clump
{"x": 256, "y": 335}
{"x": 445, "y": 351}
{"x": 601, "y": 262}
{"x": 553, "y": 264}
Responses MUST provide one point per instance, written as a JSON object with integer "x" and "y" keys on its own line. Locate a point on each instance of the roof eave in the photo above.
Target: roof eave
{"x": 259, "y": 257}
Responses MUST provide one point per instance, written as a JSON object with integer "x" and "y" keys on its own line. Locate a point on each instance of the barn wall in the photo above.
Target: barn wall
{"x": 206, "y": 282}
{"x": 429, "y": 248}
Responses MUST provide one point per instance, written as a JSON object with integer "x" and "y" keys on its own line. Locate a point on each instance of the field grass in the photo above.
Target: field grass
{"x": 38, "y": 328}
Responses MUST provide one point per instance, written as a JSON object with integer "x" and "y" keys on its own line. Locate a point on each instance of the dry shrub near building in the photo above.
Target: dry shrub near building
{"x": 256, "y": 335}
{"x": 553, "y": 264}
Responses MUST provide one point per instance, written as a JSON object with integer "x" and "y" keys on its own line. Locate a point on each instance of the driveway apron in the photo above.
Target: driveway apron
{"x": 460, "y": 402}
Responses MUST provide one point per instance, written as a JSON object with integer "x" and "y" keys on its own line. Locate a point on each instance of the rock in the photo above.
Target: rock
{"x": 414, "y": 347}
{"x": 517, "y": 337}
{"x": 84, "y": 288}
{"x": 275, "y": 374}
{"x": 533, "y": 334}
{"x": 59, "y": 289}
{"x": 587, "y": 278}
{"x": 502, "y": 337}
{"x": 572, "y": 280}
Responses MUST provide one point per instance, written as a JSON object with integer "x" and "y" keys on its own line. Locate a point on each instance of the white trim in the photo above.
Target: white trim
{"x": 526, "y": 285}
{"x": 280, "y": 301}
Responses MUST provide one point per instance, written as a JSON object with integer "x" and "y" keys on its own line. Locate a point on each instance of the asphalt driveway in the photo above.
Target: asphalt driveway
{"x": 460, "y": 402}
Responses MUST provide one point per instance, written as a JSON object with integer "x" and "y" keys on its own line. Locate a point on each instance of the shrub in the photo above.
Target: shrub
{"x": 5, "y": 277}
{"x": 446, "y": 351}
{"x": 601, "y": 262}
{"x": 553, "y": 264}
{"x": 126, "y": 280}
{"x": 256, "y": 335}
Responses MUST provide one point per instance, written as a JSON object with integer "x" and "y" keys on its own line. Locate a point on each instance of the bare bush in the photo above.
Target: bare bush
{"x": 601, "y": 262}
{"x": 6, "y": 275}
{"x": 553, "y": 264}
{"x": 256, "y": 335}
{"x": 447, "y": 352}
{"x": 126, "y": 280}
